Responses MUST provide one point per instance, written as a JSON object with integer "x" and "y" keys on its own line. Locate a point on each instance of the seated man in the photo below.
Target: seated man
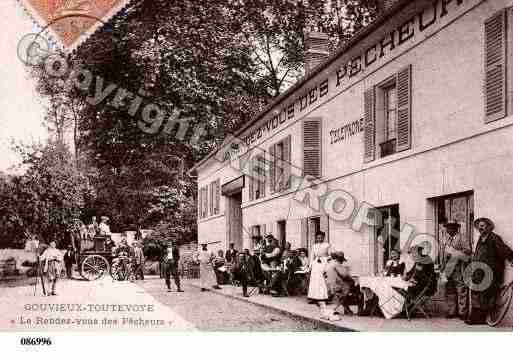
{"x": 421, "y": 274}
{"x": 394, "y": 267}
{"x": 341, "y": 284}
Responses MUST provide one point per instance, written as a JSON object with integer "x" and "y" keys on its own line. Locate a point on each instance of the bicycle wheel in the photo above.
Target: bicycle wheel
{"x": 501, "y": 307}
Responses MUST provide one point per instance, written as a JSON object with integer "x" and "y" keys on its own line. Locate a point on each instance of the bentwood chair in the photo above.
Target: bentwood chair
{"x": 414, "y": 304}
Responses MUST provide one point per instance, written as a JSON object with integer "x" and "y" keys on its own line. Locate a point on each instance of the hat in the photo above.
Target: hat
{"x": 104, "y": 218}
{"x": 488, "y": 221}
{"x": 269, "y": 236}
{"x": 320, "y": 233}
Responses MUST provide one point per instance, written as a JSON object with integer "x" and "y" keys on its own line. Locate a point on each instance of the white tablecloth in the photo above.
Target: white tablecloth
{"x": 390, "y": 301}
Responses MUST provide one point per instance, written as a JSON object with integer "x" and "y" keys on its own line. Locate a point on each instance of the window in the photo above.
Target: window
{"x": 282, "y": 233}
{"x": 390, "y": 113}
{"x": 310, "y": 226}
{"x": 387, "y": 116}
{"x": 280, "y": 165}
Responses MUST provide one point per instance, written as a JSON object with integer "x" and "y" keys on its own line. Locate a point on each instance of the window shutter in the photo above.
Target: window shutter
{"x": 403, "y": 83}
{"x": 262, "y": 168}
{"x": 272, "y": 163}
{"x": 312, "y": 148}
{"x": 210, "y": 202}
{"x": 200, "y": 202}
{"x": 286, "y": 163}
{"x": 495, "y": 67}
{"x": 205, "y": 196}
{"x": 218, "y": 196}
{"x": 251, "y": 183}
{"x": 369, "y": 126}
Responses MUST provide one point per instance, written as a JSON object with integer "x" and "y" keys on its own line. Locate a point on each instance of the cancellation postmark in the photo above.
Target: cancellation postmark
{"x": 70, "y": 22}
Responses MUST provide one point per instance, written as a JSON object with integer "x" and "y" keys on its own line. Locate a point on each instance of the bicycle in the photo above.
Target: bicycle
{"x": 502, "y": 304}
{"x": 122, "y": 269}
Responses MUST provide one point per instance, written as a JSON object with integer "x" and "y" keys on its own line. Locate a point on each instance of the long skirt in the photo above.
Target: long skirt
{"x": 207, "y": 275}
{"x": 318, "y": 289}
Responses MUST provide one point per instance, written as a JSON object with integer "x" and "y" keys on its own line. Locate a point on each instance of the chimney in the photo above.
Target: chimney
{"x": 316, "y": 49}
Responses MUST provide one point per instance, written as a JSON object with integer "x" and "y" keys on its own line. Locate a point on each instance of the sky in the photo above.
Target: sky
{"x": 21, "y": 111}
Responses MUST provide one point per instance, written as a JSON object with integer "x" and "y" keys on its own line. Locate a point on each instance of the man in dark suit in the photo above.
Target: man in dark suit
{"x": 242, "y": 273}
{"x": 69, "y": 257}
{"x": 171, "y": 260}
{"x": 488, "y": 260}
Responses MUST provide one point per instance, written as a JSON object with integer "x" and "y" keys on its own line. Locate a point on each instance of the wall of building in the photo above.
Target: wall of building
{"x": 453, "y": 150}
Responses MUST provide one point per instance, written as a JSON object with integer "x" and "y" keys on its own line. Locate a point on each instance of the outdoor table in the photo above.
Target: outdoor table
{"x": 390, "y": 302}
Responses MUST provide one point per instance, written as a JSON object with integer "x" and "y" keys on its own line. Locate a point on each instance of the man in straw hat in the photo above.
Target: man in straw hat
{"x": 488, "y": 270}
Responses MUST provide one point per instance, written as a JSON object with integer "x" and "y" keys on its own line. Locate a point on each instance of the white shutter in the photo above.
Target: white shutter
{"x": 218, "y": 196}
{"x": 403, "y": 85}
{"x": 495, "y": 67}
{"x": 272, "y": 169}
{"x": 200, "y": 203}
{"x": 286, "y": 163}
{"x": 369, "y": 120}
{"x": 312, "y": 155}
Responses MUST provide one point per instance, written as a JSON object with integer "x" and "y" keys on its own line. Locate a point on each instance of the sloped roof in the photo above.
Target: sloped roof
{"x": 380, "y": 20}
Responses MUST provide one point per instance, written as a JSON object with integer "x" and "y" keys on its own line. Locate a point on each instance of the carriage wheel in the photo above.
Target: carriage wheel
{"x": 94, "y": 267}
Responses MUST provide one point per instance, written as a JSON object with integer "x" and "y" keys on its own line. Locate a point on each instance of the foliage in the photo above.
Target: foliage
{"x": 215, "y": 63}
{"x": 45, "y": 199}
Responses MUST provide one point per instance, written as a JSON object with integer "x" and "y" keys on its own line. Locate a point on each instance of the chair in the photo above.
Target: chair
{"x": 353, "y": 297}
{"x": 416, "y": 303}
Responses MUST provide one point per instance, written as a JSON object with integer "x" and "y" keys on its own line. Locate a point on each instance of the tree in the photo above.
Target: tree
{"x": 46, "y": 198}
{"x": 215, "y": 64}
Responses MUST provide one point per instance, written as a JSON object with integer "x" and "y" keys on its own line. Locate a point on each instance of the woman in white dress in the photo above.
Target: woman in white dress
{"x": 207, "y": 275}
{"x": 318, "y": 289}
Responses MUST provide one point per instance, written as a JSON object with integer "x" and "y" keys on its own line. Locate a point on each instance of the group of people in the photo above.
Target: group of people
{"x": 271, "y": 268}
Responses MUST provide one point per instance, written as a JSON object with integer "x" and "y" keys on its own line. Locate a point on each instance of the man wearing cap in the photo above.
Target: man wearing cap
{"x": 171, "y": 259}
{"x": 455, "y": 255}
{"x": 491, "y": 252}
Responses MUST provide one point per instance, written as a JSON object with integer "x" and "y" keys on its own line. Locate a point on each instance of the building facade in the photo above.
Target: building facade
{"x": 405, "y": 128}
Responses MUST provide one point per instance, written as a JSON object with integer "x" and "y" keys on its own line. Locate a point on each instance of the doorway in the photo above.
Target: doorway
{"x": 458, "y": 208}
{"x": 282, "y": 233}
{"x": 234, "y": 220}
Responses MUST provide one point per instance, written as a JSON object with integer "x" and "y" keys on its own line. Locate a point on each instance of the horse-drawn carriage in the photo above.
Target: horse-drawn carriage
{"x": 93, "y": 256}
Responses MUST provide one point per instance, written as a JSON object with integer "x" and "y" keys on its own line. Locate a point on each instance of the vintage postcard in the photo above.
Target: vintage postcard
{"x": 245, "y": 166}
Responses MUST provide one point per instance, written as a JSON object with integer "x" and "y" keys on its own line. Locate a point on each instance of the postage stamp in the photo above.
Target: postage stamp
{"x": 70, "y": 22}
